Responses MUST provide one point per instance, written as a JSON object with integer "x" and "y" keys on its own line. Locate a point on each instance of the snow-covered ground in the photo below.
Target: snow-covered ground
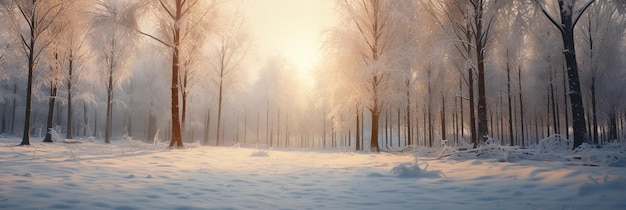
{"x": 133, "y": 175}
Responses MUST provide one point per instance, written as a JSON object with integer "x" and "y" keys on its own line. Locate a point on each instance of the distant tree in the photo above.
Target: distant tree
{"x": 472, "y": 23}
{"x": 569, "y": 19}
{"x": 232, "y": 45}
{"x": 33, "y": 22}
{"x": 598, "y": 33}
{"x": 368, "y": 31}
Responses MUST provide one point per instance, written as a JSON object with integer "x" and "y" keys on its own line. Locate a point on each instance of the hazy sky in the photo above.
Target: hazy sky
{"x": 290, "y": 28}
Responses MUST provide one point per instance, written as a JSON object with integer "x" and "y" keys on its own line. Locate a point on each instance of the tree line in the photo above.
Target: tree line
{"x": 393, "y": 73}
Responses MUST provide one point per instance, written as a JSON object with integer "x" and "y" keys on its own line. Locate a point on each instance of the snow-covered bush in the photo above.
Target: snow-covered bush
{"x": 55, "y": 133}
{"x": 554, "y": 143}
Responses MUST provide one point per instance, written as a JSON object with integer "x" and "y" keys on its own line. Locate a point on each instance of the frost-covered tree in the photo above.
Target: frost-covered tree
{"x": 33, "y": 22}
{"x": 569, "y": 17}
{"x": 231, "y": 45}
{"x": 601, "y": 27}
{"x": 472, "y": 21}
{"x": 367, "y": 32}
{"x": 175, "y": 22}
{"x": 75, "y": 47}
{"x": 115, "y": 43}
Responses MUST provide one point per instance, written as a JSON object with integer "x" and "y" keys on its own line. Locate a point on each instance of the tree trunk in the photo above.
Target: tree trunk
{"x": 613, "y": 123}
{"x": 85, "y": 120}
{"x": 13, "y": 109}
{"x": 69, "y": 134}
{"x": 430, "y": 102}
{"x": 374, "y": 139}
{"x": 29, "y": 89}
{"x": 207, "y": 127}
{"x": 257, "y": 127}
{"x": 245, "y": 127}
{"x": 176, "y": 138}
{"x": 324, "y": 130}
{"x": 565, "y": 111}
{"x": 408, "y": 115}
{"x": 362, "y": 128}
{"x": 109, "y": 117}
{"x": 278, "y": 128}
{"x": 51, "y": 103}
{"x": 267, "y": 122}
{"x": 358, "y": 130}
{"x": 399, "y": 132}
{"x": 521, "y": 105}
{"x": 594, "y": 112}
{"x": 482, "y": 99}
{"x": 508, "y": 87}
{"x": 472, "y": 106}
{"x": 219, "y": 111}
{"x": 462, "y": 121}
{"x": 386, "y": 129}
{"x": 555, "y": 121}
{"x": 481, "y": 40}
{"x": 443, "y": 117}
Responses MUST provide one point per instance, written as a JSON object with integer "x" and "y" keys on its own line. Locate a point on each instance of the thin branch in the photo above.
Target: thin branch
{"x": 552, "y": 19}
{"x": 166, "y": 9}
{"x": 579, "y": 13}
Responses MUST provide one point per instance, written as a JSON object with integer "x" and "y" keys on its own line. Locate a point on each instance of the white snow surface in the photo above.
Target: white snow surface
{"x": 129, "y": 174}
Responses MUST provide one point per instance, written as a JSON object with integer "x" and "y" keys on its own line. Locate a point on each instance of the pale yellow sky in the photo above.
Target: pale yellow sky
{"x": 291, "y": 28}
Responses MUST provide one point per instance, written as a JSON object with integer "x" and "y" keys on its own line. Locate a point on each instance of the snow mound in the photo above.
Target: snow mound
{"x": 414, "y": 171}
{"x": 260, "y": 154}
{"x": 554, "y": 143}
{"x": 608, "y": 184}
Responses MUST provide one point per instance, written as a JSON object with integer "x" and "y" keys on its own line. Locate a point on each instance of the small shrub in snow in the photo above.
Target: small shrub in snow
{"x": 55, "y": 134}
{"x": 414, "y": 171}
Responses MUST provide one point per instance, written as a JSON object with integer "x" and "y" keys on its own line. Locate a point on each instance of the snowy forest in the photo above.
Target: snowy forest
{"x": 392, "y": 74}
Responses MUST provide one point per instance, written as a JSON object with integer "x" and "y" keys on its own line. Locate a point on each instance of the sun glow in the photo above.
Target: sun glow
{"x": 291, "y": 28}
